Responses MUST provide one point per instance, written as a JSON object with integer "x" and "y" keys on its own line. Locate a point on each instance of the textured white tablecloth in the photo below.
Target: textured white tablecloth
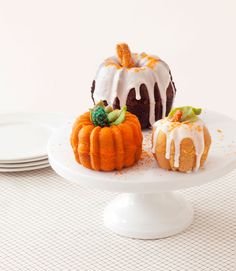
{"x": 47, "y": 223}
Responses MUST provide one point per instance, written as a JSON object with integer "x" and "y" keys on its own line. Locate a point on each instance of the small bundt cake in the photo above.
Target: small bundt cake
{"x": 181, "y": 141}
{"x": 106, "y": 139}
{"x": 141, "y": 82}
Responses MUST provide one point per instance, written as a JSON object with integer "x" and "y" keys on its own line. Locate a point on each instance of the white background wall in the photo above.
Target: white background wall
{"x": 50, "y": 49}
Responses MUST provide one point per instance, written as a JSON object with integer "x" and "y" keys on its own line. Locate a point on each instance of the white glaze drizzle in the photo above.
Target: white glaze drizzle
{"x": 195, "y": 132}
{"x": 112, "y": 82}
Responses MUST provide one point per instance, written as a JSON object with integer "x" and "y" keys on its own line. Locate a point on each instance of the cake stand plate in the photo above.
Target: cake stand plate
{"x": 148, "y": 206}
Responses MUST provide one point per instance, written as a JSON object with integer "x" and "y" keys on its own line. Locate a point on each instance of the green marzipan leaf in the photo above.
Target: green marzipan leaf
{"x": 105, "y": 116}
{"x": 189, "y": 113}
{"x": 121, "y": 117}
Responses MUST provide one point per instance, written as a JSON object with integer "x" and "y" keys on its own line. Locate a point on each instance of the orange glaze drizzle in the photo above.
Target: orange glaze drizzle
{"x": 199, "y": 128}
{"x": 124, "y": 56}
{"x": 174, "y": 125}
{"x": 139, "y": 69}
{"x": 152, "y": 61}
{"x": 143, "y": 55}
{"x": 111, "y": 62}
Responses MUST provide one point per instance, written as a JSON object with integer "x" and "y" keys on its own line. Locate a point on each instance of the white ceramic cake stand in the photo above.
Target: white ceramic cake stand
{"x": 148, "y": 207}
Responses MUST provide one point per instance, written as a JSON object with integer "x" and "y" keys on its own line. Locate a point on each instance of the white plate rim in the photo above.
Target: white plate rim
{"x": 24, "y": 160}
{"x": 51, "y": 120}
{"x": 24, "y": 169}
{"x": 23, "y": 165}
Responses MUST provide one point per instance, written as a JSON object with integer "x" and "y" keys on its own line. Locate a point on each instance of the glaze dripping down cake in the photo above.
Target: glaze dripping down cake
{"x": 181, "y": 141}
{"x": 141, "y": 82}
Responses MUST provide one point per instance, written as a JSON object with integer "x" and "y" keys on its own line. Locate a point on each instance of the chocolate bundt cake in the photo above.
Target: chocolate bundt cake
{"x": 141, "y": 82}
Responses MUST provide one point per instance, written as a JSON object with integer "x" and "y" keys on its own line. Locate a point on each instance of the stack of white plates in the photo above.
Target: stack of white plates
{"x": 23, "y": 140}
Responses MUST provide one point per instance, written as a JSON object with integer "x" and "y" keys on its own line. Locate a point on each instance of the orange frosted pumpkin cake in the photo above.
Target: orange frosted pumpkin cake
{"x": 106, "y": 139}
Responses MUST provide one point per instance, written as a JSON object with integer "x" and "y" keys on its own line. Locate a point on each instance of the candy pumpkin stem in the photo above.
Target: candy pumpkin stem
{"x": 177, "y": 116}
{"x": 124, "y": 55}
{"x": 99, "y": 116}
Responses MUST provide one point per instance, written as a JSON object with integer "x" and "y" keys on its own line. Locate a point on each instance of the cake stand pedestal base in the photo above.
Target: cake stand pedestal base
{"x": 148, "y": 216}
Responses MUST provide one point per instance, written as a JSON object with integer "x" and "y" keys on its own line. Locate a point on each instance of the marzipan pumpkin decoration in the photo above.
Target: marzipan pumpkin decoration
{"x": 106, "y": 139}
